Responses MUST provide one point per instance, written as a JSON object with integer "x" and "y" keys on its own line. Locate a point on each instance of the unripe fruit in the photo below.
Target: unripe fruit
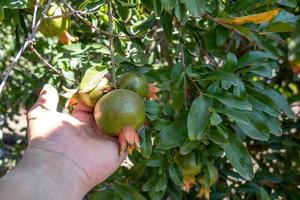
{"x": 119, "y": 113}
{"x": 190, "y": 168}
{"x": 55, "y": 27}
{"x": 135, "y": 82}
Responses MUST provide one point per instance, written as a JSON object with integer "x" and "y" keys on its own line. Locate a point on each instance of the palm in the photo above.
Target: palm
{"x": 75, "y": 137}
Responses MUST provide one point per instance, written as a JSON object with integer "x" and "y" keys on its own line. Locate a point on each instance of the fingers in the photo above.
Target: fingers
{"x": 83, "y": 113}
{"x": 48, "y": 99}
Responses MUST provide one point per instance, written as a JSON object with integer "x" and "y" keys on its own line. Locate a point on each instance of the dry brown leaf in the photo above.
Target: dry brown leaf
{"x": 256, "y": 18}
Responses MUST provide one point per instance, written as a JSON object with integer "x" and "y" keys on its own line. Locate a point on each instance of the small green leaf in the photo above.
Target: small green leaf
{"x": 198, "y": 119}
{"x": 156, "y": 184}
{"x": 168, "y": 4}
{"x": 14, "y": 4}
{"x": 238, "y": 156}
{"x": 280, "y": 101}
{"x": 215, "y": 119}
{"x": 218, "y": 136}
{"x": 91, "y": 6}
{"x": 172, "y": 135}
{"x": 188, "y": 146}
{"x": 166, "y": 23}
{"x": 195, "y": 7}
{"x": 175, "y": 174}
{"x": 232, "y": 101}
{"x": 127, "y": 192}
{"x": 231, "y": 62}
{"x": 91, "y": 78}
{"x": 146, "y": 144}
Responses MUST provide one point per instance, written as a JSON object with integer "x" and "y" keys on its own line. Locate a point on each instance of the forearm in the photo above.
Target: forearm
{"x": 41, "y": 175}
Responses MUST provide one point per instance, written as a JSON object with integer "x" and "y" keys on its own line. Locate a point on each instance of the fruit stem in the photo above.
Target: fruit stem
{"x": 111, "y": 47}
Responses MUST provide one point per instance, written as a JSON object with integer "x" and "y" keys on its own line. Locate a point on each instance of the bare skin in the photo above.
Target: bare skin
{"x": 67, "y": 154}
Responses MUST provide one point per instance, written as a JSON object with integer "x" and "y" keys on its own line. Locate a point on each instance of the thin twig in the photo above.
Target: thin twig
{"x": 29, "y": 39}
{"x": 86, "y": 22}
{"x": 111, "y": 45}
{"x": 230, "y": 42}
{"x": 67, "y": 14}
{"x": 182, "y": 58}
{"x": 36, "y": 6}
{"x": 47, "y": 64}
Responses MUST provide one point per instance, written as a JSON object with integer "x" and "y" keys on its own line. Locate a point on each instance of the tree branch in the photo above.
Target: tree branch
{"x": 29, "y": 39}
{"x": 111, "y": 45}
{"x": 182, "y": 58}
{"x": 47, "y": 64}
{"x": 86, "y": 22}
{"x": 36, "y": 6}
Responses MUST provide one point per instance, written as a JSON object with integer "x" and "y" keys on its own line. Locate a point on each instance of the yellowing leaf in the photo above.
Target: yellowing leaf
{"x": 256, "y": 18}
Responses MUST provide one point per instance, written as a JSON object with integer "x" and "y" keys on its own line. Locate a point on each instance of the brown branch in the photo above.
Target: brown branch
{"x": 86, "y": 22}
{"x": 48, "y": 65}
{"x": 29, "y": 39}
{"x": 111, "y": 47}
{"x": 182, "y": 58}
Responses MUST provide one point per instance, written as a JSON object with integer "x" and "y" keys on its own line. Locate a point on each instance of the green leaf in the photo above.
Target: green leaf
{"x": 172, "y": 135}
{"x": 91, "y": 6}
{"x": 188, "y": 146}
{"x": 166, "y": 23}
{"x": 255, "y": 57}
{"x": 127, "y": 192}
{"x": 238, "y": 156}
{"x": 157, "y": 7}
{"x": 175, "y": 174}
{"x": 231, "y": 62}
{"x": 226, "y": 76}
{"x": 195, "y": 7}
{"x": 168, "y": 4}
{"x": 198, "y": 119}
{"x": 256, "y": 129}
{"x": 91, "y": 78}
{"x": 146, "y": 144}
{"x": 280, "y": 101}
{"x": 280, "y": 27}
{"x": 144, "y": 26}
{"x": 14, "y": 4}
{"x": 288, "y": 3}
{"x": 232, "y": 101}
{"x": 218, "y": 136}
{"x": 215, "y": 119}
{"x": 263, "y": 101}
{"x": 155, "y": 184}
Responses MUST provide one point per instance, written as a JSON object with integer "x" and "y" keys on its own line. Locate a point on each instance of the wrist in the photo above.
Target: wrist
{"x": 60, "y": 178}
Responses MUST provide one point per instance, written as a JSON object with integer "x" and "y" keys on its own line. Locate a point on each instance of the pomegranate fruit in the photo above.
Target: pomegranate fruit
{"x": 56, "y": 26}
{"x": 135, "y": 82}
{"x": 120, "y": 113}
{"x": 190, "y": 169}
{"x": 138, "y": 83}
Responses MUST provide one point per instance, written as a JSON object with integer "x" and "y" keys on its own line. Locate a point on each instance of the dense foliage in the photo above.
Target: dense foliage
{"x": 222, "y": 125}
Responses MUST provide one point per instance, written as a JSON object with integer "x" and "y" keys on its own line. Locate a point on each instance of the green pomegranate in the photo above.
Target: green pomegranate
{"x": 190, "y": 168}
{"x": 120, "y": 113}
{"x": 57, "y": 26}
{"x": 135, "y": 82}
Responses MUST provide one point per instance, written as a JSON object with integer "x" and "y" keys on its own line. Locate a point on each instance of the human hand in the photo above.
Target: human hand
{"x": 69, "y": 150}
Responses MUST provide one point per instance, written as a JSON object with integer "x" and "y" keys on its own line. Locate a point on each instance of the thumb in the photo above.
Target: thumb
{"x": 48, "y": 99}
